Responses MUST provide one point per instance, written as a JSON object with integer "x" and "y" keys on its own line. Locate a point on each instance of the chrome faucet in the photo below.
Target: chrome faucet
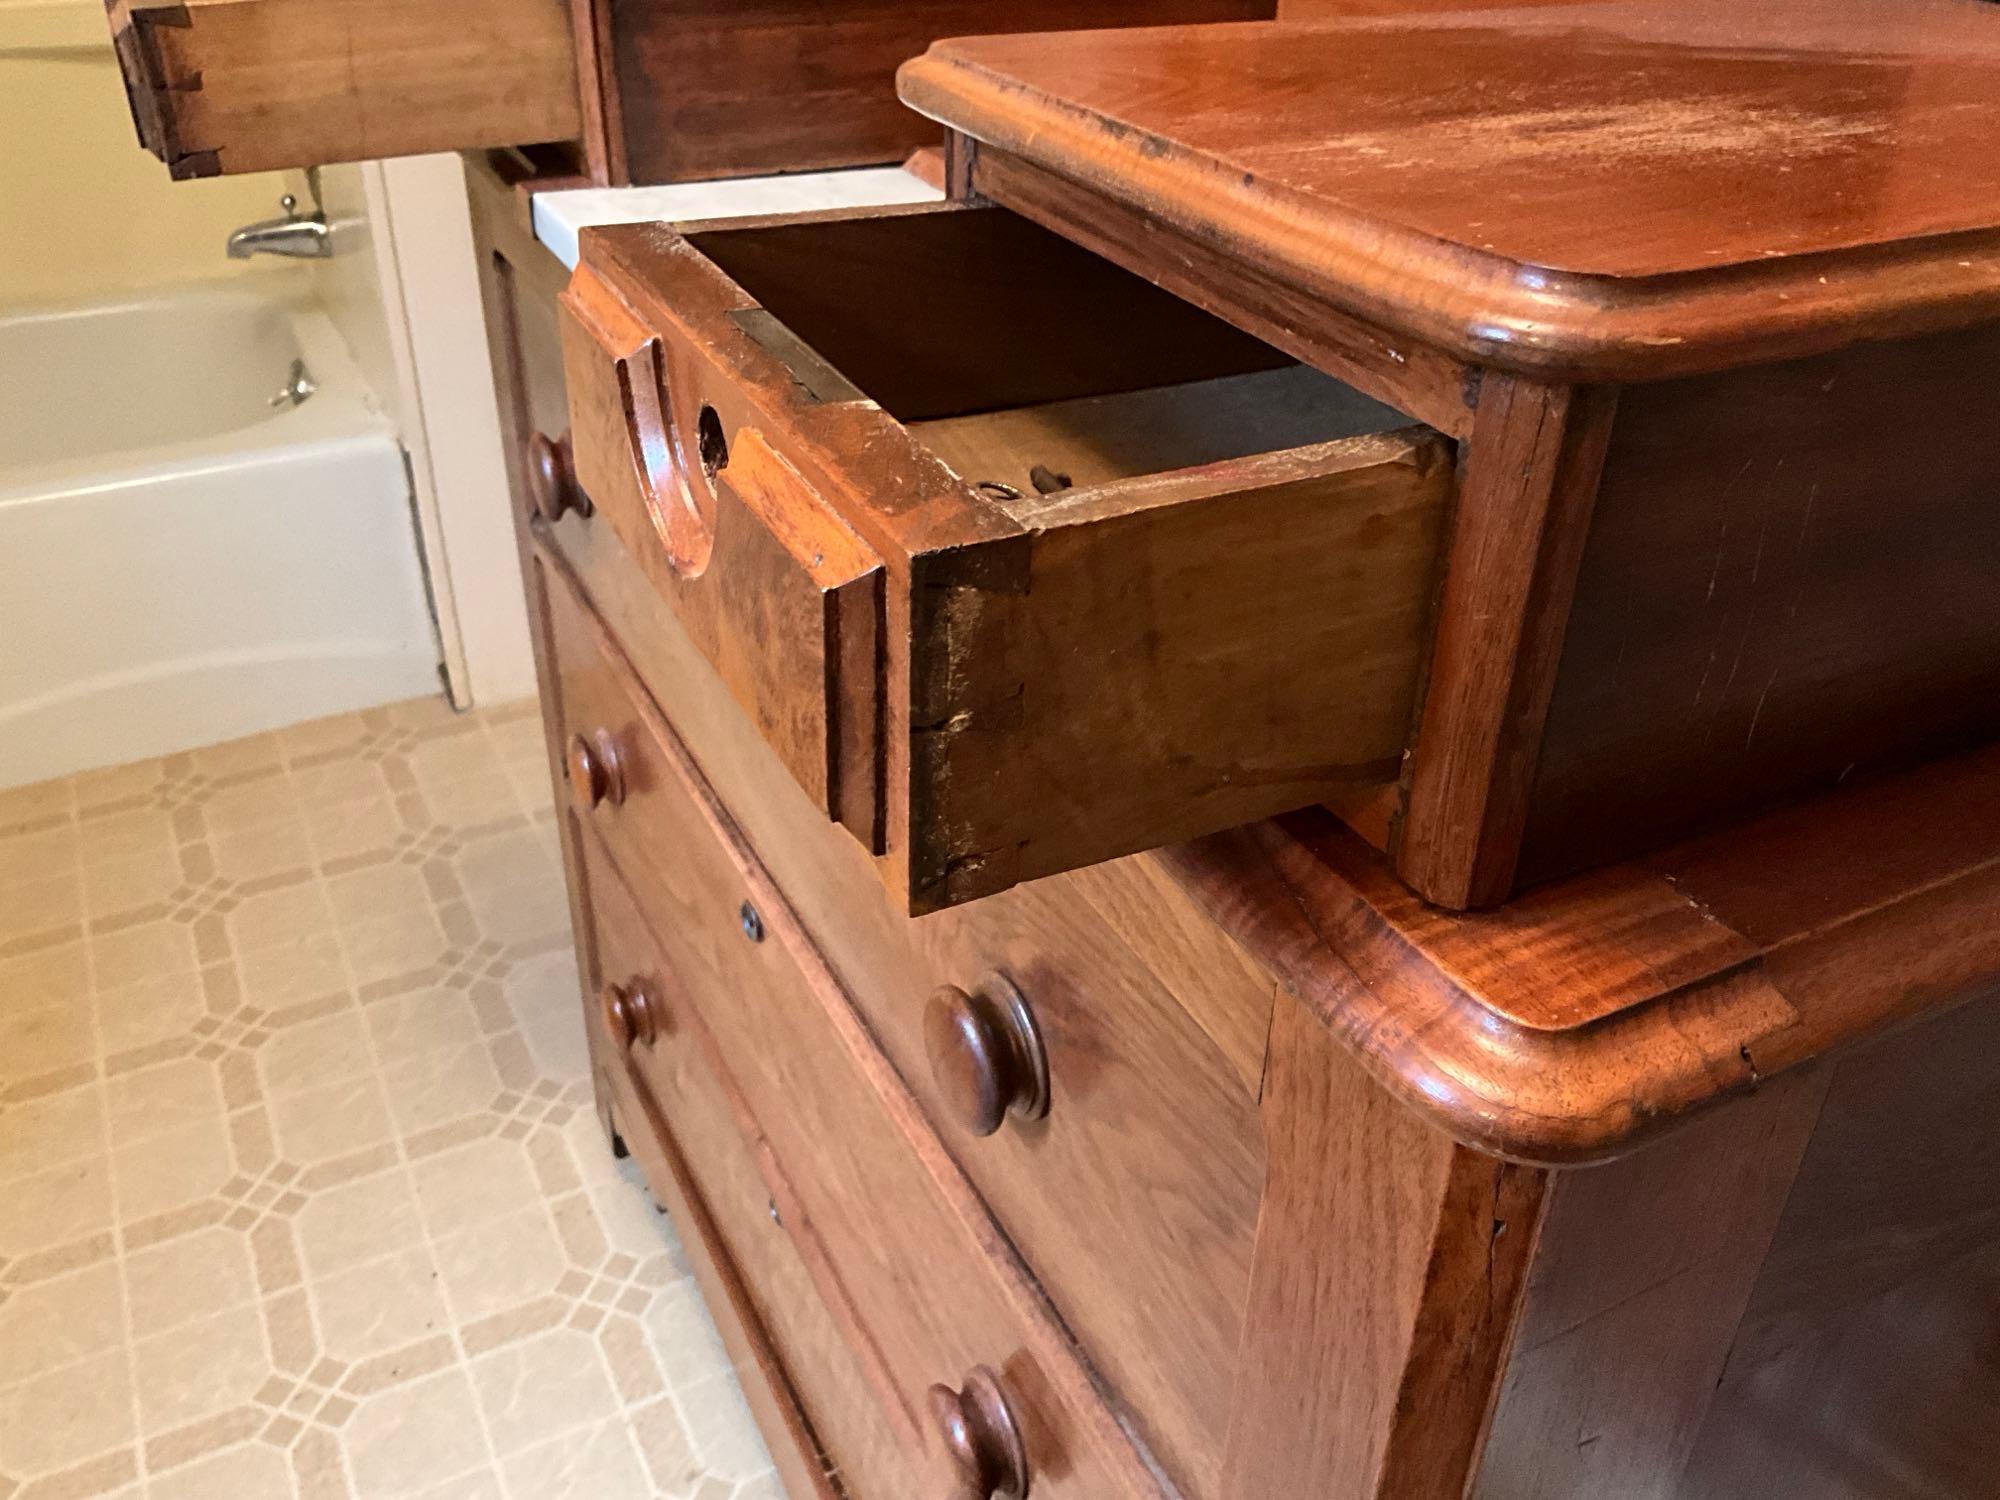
{"x": 306, "y": 236}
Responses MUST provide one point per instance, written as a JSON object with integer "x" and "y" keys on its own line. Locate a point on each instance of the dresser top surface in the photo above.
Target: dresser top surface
{"x": 1628, "y": 139}
{"x": 1539, "y": 162}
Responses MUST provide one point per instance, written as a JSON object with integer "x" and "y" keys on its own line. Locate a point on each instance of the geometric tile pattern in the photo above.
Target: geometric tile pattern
{"x": 301, "y": 1191}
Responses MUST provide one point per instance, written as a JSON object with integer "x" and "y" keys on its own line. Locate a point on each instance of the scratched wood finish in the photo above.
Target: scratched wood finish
{"x": 1389, "y": 1261}
{"x": 1061, "y": 679}
{"x": 756, "y": 86}
{"x": 1634, "y": 190}
{"x": 1530, "y": 479}
{"x": 221, "y": 86}
{"x": 898, "y": 1239}
{"x": 1792, "y": 574}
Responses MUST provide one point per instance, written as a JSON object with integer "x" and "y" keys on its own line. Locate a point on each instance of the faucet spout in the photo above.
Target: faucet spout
{"x": 302, "y": 236}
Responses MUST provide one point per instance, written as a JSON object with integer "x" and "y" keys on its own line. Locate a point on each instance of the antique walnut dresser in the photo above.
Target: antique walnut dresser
{"x": 1298, "y": 801}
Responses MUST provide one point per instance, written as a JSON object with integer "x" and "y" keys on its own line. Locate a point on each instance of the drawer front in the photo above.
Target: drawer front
{"x": 827, "y": 442}
{"x": 1135, "y": 1199}
{"x": 939, "y": 1315}
{"x": 683, "y": 1118}
{"x": 223, "y": 86}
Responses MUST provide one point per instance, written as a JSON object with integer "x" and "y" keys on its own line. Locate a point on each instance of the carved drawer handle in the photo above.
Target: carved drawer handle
{"x": 552, "y": 486}
{"x": 630, "y": 1015}
{"x": 986, "y": 1054}
{"x": 982, "y": 1436}
{"x": 596, "y": 771}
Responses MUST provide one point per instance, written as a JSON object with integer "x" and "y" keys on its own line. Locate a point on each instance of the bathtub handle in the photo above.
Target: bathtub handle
{"x": 299, "y": 385}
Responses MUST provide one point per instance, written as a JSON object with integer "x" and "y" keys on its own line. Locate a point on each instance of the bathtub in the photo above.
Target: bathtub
{"x": 181, "y": 562}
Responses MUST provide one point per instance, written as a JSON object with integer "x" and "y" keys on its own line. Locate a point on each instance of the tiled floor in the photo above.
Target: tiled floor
{"x": 301, "y": 1192}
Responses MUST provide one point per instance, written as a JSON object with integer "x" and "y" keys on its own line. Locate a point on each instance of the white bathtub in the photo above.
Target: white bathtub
{"x": 181, "y": 563}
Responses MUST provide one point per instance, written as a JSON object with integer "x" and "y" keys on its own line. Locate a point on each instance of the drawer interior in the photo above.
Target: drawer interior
{"x": 1024, "y": 362}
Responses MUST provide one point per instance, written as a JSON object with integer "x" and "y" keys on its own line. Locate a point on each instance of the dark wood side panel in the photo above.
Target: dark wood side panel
{"x": 1793, "y": 574}
{"x": 1866, "y": 1366}
{"x": 722, "y": 90}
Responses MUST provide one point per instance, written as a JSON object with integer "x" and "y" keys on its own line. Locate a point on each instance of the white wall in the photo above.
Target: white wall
{"x": 84, "y": 210}
{"x": 403, "y": 287}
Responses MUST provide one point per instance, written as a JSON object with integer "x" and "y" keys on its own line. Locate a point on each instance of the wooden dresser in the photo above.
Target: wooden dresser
{"x": 1299, "y": 801}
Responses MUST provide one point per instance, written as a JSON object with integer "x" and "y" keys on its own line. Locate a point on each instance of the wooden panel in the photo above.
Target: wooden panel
{"x": 1793, "y": 573}
{"x": 1866, "y": 1365}
{"x": 1389, "y": 1261}
{"x": 1607, "y": 192}
{"x": 1640, "y": 1275}
{"x": 1063, "y": 678}
{"x": 1156, "y": 1033}
{"x": 1531, "y": 470}
{"x": 682, "y": 1118}
{"x": 892, "y": 1229}
{"x": 223, "y": 86}
{"x": 754, "y": 86}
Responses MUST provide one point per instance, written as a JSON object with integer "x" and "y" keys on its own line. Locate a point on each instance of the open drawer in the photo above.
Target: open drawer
{"x": 1017, "y": 562}
{"x": 220, "y": 86}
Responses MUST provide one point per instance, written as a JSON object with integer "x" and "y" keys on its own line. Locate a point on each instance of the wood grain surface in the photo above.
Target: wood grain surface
{"x": 1625, "y": 190}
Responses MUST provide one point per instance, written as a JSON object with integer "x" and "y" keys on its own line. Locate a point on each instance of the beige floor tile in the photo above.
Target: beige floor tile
{"x": 552, "y": 1383}
{"x": 45, "y": 1038}
{"x": 277, "y": 1261}
{"x": 600, "y": 1463}
{"x": 26, "y": 857}
{"x": 111, "y": 887}
{"x": 176, "y": 1095}
{"x": 147, "y": 951}
{"x": 500, "y": 1265}
{"x": 382, "y": 1305}
{"x": 41, "y": 905}
{"x": 66, "y": 1416}
{"x": 117, "y": 836}
{"x": 57, "y": 1322}
{"x": 359, "y": 1221}
{"x": 173, "y": 1169}
{"x": 207, "y": 1367}
{"x": 407, "y": 1026}
{"x": 476, "y": 1184}
{"x": 434, "y": 1088}
{"x": 331, "y": 1120}
{"x": 275, "y": 848}
{"x": 188, "y": 1279}
{"x": 51, "y": 976}
{"x": 50, "y": 1130}
{"x": 149, "y": 1011}
{"x": 311, "y": 968}
{"x": 415, "y": 1437}
{"x": 310, "y": 1054}
{"x": 281, "y": 918}
{"x": 33, "y": 805}
{"x": 250, "y": 804}
{"x": 254, "y": 1471}
{"x": 55, "y": 1206}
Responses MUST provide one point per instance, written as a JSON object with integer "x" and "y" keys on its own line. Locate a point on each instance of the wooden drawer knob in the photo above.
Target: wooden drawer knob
{"x": 552, "y": 486}
{"x": 596, "y": 772}
{"x": 982, "y": 1437}
{"x": 630, "y": 1015}
{"x": 986, "y": 1054}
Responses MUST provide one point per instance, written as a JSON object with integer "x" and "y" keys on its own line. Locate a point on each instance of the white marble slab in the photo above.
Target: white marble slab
{"x": 559, "y": 215}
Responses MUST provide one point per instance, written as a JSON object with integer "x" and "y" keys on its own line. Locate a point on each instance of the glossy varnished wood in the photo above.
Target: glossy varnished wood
{"x": 1630, "y": 190}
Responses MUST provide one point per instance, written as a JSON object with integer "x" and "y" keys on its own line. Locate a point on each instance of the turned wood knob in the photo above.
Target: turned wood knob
{"x": 552, "y": 483}
{"x": 982, "y": 1437}
{"x": 596, "y": 774}
{"x": 629, "y": 1015}
{"x": 986, "y": 1054}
